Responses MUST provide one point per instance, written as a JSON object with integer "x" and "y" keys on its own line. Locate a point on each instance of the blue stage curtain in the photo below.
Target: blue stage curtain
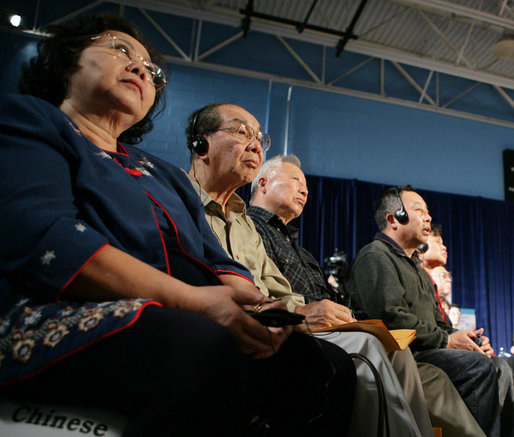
{"x": 478, "y": 233}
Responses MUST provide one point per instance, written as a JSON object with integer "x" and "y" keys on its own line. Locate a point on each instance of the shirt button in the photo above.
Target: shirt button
{"x": 286, "y": 260}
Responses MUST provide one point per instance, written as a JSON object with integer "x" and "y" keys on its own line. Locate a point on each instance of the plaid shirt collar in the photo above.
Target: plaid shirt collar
{"x": 299, "y": 267}
{"x": 274, "y": 220}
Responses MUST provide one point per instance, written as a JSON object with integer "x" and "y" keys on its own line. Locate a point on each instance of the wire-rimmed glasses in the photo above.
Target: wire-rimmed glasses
{"x": 242, "y": 131}
{"x": 445, "y": 275}
{"x": 126, "y": 52}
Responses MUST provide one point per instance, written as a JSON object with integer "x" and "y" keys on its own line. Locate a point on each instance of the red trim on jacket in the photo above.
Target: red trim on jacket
{"x": 130, "y": 171}
{"x": 233, "y": 273}
{"x": 178, "y": 239}
{"x": 120, "y": 148}
{"x": 162, "y": 241}
{"x": 58, "y": 296}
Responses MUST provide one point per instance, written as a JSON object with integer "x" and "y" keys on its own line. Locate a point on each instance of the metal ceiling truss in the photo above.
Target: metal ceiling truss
{"x": 471, "y": 15}
{"x": 249, "y": 20}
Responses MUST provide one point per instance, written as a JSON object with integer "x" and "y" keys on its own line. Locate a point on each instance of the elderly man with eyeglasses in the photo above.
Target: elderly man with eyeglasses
{"x": 227, "y": 149}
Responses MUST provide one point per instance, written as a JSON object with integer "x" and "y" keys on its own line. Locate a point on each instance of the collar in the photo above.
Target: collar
{"x": 263, "y": 214}
{"x": 235, "y": 204}
{"x": 275, "y": 221}
{"x": 391, "y": 243}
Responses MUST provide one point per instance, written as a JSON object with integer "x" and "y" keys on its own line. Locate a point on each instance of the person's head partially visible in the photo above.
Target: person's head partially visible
{"x": 443, "y": 279}
{"x": 102, "y": 73}
{"x": 446, "y": 305}
{"x": 454, "y": 315}
{"x": 227, "y": 146}
{"x": 281, "y": 187}
{"x": 402, "y": 214}
{"x": 436, "y": 255}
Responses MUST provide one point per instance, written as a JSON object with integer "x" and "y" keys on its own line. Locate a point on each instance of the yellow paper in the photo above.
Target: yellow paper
{"x": 394, "y": 340}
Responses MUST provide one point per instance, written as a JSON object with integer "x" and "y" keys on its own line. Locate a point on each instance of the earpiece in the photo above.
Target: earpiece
{"x": 198, "y": 144}
{"x": 400, "y": 214}
{"x": 423, "y": 248}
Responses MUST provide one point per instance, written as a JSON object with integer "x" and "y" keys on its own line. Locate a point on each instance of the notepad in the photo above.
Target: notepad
{"x": 393, "y": 340}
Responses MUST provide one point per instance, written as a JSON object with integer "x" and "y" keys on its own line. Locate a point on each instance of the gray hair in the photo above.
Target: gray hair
{"x": 270, "y": 164}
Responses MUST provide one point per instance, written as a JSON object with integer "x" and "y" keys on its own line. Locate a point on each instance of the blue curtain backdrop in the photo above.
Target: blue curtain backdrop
{"x": 478, "y": 233}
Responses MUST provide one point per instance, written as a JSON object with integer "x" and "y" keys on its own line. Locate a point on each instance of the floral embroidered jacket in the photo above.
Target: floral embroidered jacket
{"x": 64, "y": 199}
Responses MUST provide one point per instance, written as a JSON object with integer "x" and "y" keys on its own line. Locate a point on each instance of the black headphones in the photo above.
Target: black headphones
{"x": 400, "y": 214}
{"x": 197, "y": 144}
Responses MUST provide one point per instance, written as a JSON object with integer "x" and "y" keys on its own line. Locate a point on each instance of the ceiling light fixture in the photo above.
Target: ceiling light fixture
{"x": 15, "y": 20}
{"x": 504, "y": 48}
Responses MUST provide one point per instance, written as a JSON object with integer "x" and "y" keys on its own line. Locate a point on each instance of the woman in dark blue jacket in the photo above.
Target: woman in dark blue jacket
{"x": 113, "y": 290}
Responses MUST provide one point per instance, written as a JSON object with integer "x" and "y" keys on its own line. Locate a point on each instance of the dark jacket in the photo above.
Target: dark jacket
{"x": 63, "y": 199}
{"x": 386, "y": 284}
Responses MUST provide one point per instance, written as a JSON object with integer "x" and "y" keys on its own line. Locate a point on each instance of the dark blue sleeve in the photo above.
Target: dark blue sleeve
{"x": 44, "y": 245}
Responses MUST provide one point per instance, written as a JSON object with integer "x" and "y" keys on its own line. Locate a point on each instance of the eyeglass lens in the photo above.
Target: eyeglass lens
{"x": 263, "y": 138}
{"x": 127, "y": 52}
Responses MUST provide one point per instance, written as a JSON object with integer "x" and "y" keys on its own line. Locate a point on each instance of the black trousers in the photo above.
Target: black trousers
{"x": 178, "y": 373}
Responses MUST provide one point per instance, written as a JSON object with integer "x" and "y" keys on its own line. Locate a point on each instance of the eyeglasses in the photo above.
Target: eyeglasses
{"x": 126, "y": 52}
{"x": 446, "y": 275}
{"x": 243, "y": 131}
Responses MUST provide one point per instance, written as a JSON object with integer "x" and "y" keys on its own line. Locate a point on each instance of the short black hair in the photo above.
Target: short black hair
{"x": 203, "y": 121}
{"x": 46, "y": 75}
{"x": 436, "y": 230}
{"x": 389, "y": 202}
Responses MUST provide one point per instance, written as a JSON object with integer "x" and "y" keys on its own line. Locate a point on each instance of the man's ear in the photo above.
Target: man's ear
{"x": 391, "y": 221}
{"x": 261, "y": 184}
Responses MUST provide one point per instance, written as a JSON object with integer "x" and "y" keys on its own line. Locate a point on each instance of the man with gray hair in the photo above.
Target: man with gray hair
{"x": 279, "y": 194}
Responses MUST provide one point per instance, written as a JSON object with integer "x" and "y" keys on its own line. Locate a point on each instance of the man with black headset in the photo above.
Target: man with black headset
{"x": 386, "y": 282}
{"x": 279, "y": 195}
{"x": 227, "y": 148}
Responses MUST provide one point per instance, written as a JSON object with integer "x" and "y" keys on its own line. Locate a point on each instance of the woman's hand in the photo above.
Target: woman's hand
{"x": 275, "y": 335}
{"x": 225, "y": 305}
{"x": 278, "y": 335}
{"x": 113, "y": 274}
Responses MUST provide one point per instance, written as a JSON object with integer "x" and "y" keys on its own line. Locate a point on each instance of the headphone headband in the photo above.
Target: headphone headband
{"x": 198, "y": 144}
{"x": 401, "y": 214}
